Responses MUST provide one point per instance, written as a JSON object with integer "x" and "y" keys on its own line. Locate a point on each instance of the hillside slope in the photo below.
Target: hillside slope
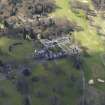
{"x": 77, "y": 79}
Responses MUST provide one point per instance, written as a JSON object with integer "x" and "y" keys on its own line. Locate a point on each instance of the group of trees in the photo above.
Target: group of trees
{"x": 47, "y": 27}
{"x": 75, "y": 4}
{"x": 28, "y": 7}
{"x": 99, "y": 4}
{"x": 11, "y": 9}
{"x": 40, "y": 7}
{"x": 33, "y": 7}
{"x": 60, "y": 27}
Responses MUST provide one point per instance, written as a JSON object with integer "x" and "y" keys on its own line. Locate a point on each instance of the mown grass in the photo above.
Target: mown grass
{"x": 19, "y": 52}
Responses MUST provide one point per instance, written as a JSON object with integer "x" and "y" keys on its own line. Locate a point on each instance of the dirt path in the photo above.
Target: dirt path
{"x": 83, "y": 86}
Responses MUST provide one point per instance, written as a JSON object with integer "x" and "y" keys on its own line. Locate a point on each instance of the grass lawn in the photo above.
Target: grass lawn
{"x": 19, "y": 52}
